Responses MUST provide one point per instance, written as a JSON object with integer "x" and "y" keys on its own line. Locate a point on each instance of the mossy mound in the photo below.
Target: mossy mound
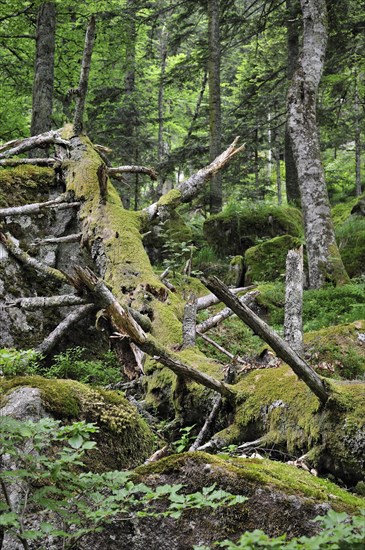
{"x": 341, "y": 212}
{"x": 280, "y": 499}
{"x": 274, "y": 404}
{"x": 235, "y": 230}
{"x": 24, "y": 184}
{"x": 350, "y": 237}
{"x": 338, "y": 350}
{"x": 124, "y": 439}
{"x": 266, "y": 261}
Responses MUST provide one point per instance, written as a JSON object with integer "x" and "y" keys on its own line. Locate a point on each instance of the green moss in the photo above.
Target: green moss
{"x": 341, "y": 212}
{"x": 236, "y": 229}
{"x": 124, "y": 438}
{"x": 172, "y": 198}
{"x": 337, "y": 350}
{"x": 237, "y": 472}
{"x": 350, "y": 237}
{"x": 266, "y": 261}
{"x": 24, "y": 184}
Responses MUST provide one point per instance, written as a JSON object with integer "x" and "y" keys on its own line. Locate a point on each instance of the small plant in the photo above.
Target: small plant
{"x": 18, "y": 362}
{"x": 183, "y": 443}
{"x": 339, "y": 532}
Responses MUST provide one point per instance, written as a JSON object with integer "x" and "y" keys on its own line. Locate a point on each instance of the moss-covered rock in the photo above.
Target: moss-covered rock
{"x": 233, "y": 231}
{"x": 24, "y": 184}
{"x": 124, "y": 439}
{"x": 280, "y": 499}
{"x": 350, "y": 237}
{"x": 338, "y": 350}
{"x": 266, "y": 261}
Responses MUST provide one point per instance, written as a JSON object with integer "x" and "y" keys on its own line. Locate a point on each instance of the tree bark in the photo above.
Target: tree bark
{"x": 218, "y": 318}
{"x": 44, "y": 70}
{"x": 18, "y": 146}
{"x": 291, "y": 173}
{"x": 34, "y": 208}
{"x": 324, "y": 260}
{"x": 357, "y": 138}
{"x": 32, "y": 161}
{"x": 293, "y": 325}
{"x": 211, "y": 299}
{"x": 78, "y": 123}
{"x": 299, "y": 366}
{"x": 132, "y": 169}
{"x": 215, "y": 116}
{"x": 189, "y": 321}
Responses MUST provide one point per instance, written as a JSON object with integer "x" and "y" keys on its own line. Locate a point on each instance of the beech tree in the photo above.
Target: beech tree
{"x": 324, "y": 260}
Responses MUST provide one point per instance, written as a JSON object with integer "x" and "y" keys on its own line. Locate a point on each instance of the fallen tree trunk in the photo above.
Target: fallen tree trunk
{"x": 283, "y": 350}
{"x": 225, "y": 313}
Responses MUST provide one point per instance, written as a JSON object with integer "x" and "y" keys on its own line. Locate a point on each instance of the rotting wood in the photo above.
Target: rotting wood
{"x": 34, "y": 162}
{"x": 84, "y": 77}
{"x": 21, "y": 146}
{"x": 218, "y": 318}
{"x": 63, "y": 328}
{"x": 211, "y": 299}
{"x": 283, "y": 350}
{"x": 103, "y": 182}
{"x": 113, "y": 171}
{"x": 293, "y": 322}
{"x": 125, "y": 325}
{"x": 41, "y": 302}
{"x": 189, "y": 322}
{"x": 34, "y": 208}
{"x": 189, "y": 188}
{"x": 207, "y": 424}
{"x": 10, "y": 244}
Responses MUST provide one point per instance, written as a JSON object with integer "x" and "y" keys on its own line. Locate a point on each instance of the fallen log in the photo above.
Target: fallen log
{"x": 283, "y": 350}
{"x": 211, "y": 299}
{"x": 40, "y": 302}
{"x": 218, "y": 318}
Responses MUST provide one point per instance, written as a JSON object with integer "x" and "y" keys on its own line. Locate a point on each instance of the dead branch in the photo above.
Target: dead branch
{"x": 189, "y": 322}
{"x": 36, "y": 207}
{"x": 283, "y": 350}
{"x": 11, "y": 245}
{"x": 84, "y": 77}
{"x": 189, "y": 188}
{"x": 52, "y": 339}
{"x": 73, "y": 238}
{"x": 103, "y": 182}
{"x": 293, "y": 325}
{"x": 207, "y": 424}
{"x": 15, "y": 147}
{"x": 164, "y": 273}
{"x": 35, "y": 162}
{"x": 211, "y": 299}
{"x": 40, "y": 302}
{"x": 220, "y": 348}
{"x": 216, "y": 319}
{"x": 125, "y": 325}
{"x": 132, "y": 169}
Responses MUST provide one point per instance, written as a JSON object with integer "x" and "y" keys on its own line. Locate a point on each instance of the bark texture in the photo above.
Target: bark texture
{"x": 324, "y": 260}
{"x": 84, "y": 77}
{"x": 44, "y": 70}
{"x": 293, "y": 323}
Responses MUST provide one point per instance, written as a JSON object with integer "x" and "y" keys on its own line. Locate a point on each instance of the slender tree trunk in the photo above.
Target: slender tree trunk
{"x": 357, "y": 138}
{"x": 291, "y": 174}
{"x": 215, "y": 117}
{"x": 161, "y": 153}
{"x": 324, "y": 260}
{"x": 84, "y": 77}
{"x": 43, "y": 72}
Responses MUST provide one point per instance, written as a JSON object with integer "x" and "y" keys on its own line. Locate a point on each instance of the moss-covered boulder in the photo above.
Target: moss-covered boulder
{"x": 266, "y": 261}
{"x": 124, "y": 439}
{"x": 280, "y": 499}
{"x": 337, "y": 351}
{"x": 233, "y": 231}
{"x": 24, "y": 184}
{"x": 350, "y": 237}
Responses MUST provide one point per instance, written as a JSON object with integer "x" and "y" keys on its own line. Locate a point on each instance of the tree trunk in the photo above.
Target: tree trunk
{"x": 324, "y": 260}
{"x": 293, "y": 325}
{"x": 357, "y": 138}
{"x": 215, "y": 117}
{"x": 291, "y": 174}
{"x": 84, "y": 77}
{"x": 44, "y": 71}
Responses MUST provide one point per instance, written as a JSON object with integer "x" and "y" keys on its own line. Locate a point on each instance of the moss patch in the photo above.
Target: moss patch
{"x": 124, "y": 439}
{"x": 350, "y": 237}
{"x": 235, "y": 230}
{"x": 24, "y": 184}
{"x": 266, "y": 261}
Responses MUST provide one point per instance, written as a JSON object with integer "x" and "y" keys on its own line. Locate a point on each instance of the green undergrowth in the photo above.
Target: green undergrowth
{"x": 350, "y": 237}
{"x": 124, "y": 438}
{"x": 238, "y": 472}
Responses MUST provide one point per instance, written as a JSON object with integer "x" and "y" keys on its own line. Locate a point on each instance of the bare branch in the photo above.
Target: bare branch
{"x": 15, "y": 147}
{"x": 211, "y": 299}
{"x": 73, "y": 238}
{"x": 132, "y": 169}
{"x": 216, "y": 319}
{"x": 283, "y": 350}
{"x": 40, "y": 302}
{"x": 35, "y": 162}
{"x": 36, "y": 207}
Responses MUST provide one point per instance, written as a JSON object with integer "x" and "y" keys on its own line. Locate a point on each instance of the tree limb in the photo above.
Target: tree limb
{"x": 34, "y": 162}
{"x": 9, "y": 242}
{"x": 283, "y": 350}
{"x": 17, "y": 146}
{"x": 35, "y": 207}
{"x": 216, "y": 319}
{"x": 40, "y": 302}
{"x": 211, "y": 299}
{"x": 132, "y": 169}
{"x": 189, "y": 188}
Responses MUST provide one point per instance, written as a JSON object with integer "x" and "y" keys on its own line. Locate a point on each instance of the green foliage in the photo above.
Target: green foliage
{"x": 71, "y": 365}
{"x": 351, "y": 242}
{"x": 339, "y": 531}
{"x": 184, "y": 441}
{"x": 18, "y": 362}
{"x": 69, "y": 502}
